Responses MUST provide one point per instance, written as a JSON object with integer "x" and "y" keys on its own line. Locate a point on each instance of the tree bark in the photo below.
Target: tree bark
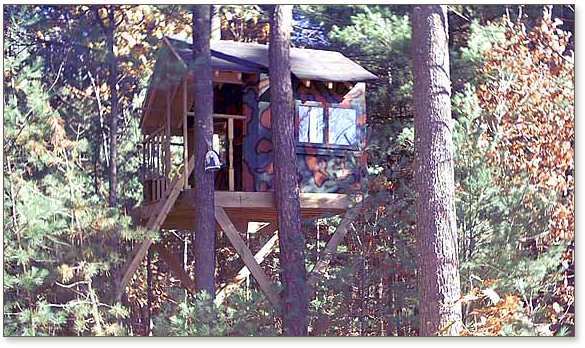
{"x": 439, "y": 288}
{"x": 113, "y": 82}
{"x": 204, "y": 243}
{"x": 291, "y": 240}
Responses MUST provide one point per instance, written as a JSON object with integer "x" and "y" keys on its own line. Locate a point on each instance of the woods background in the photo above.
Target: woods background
{"x": 75, "y": 79}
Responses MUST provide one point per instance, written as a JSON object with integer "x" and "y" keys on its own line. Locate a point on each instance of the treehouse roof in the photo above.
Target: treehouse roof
{"x": 175, "y": 56}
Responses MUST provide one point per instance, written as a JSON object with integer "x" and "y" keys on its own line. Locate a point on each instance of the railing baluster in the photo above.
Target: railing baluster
{"x": 231, "y": 181}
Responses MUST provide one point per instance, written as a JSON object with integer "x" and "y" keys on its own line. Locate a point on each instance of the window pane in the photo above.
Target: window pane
{"x": 311, "y": 125}
{"x": 342, "y": 126}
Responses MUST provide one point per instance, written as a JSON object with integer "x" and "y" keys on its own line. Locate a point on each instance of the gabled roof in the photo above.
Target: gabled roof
{"x": 306, "y": 63}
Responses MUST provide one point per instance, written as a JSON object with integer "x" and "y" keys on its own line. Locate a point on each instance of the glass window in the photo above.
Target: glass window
{"x": 311, "y": 124}
{"x": 342, "y": 126}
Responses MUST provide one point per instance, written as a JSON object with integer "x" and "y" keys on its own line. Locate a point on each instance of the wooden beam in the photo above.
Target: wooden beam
{"x": 266, "y": 200}
{"x": 232, "y": 117}
{"x": 174, "y": 52}
{"x": 233, "y": 77}
{"x": 150, "y": 99}
{"x": 226, "y": 116}
{"x": 268, "y": 228}
{"x": 149, "y": 292}
{"x": 154, "y": 223}
{"x": 177, "y": 107}
{"x": 251, "y": 206}
{"x": 242, "y": 249}
{"x": 244, "y": 272}
{"x": 331, "y": 248}
{"x": 175, "y": 87}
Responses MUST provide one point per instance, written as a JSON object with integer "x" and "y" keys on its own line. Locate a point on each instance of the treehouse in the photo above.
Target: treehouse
{"x": 330, "y": 123}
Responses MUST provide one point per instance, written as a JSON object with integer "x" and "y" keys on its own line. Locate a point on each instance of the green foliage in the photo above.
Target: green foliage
{"x": 495, "y": 224}
{"x": 380, "y": 40}
{"x": 55, "y": 228}
{"x": 468, "y": 59}
{"x": 199, "y": 316}
{"x": 481, "y": 39}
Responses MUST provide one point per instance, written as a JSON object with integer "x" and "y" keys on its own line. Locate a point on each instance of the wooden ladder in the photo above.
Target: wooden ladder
{"x": 154, "y": 223}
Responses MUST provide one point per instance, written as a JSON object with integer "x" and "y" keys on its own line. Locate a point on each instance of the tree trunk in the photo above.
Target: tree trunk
{"x": 204, "y": 243}
{"x": 439, "y": 289}
{"x": 291, "y": 240}
{"x": 113, "y": 82}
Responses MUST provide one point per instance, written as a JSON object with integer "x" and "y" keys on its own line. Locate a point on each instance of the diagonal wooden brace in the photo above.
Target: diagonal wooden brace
{"x": 244, "y": 272}
{"x": 242, "y": 249}
{"x": 154, "y": 223}
{"x": 331, "y": 248}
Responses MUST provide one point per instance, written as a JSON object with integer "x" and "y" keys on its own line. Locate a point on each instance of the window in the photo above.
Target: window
{"x": 342, "y": 126}
{"x": 311, "y": 124}
{"x": 328, "y": 126}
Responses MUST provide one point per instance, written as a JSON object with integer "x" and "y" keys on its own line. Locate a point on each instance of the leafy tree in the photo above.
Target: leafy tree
{"x": 380, "y": 40}
{"x": 197, "y": 316}
{"x": 493, "y": 224}
{"x": 58, "y": 224}
{"x": 532, "y": 102}
{"x": 510, "y": 240}
{"x": 54, "y": 224}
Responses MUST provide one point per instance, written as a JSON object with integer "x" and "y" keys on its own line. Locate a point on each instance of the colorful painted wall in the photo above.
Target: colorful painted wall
{"x": 322, "y": 167}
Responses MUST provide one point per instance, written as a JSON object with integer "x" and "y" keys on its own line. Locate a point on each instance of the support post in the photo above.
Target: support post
{"x": 154, "y": 223}
{"x": 149, "y": 292}
{"x": 185, "y": 132}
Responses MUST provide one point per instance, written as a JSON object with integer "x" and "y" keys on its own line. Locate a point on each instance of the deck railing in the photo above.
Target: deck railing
{"x": 156, "y": 157}
{"x": 156, "y": 164}
{"x": 156, "y": 151}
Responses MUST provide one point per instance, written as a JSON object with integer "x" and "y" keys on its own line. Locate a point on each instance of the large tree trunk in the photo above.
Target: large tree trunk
{"x": 440, "y": 311}
{"x": 113, "y": 82}
{"x": 291, "y": 240}
{"x": 204, "y": 243}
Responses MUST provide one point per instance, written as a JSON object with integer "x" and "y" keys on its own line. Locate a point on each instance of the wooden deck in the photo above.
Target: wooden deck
{"x": 246, "y": 206}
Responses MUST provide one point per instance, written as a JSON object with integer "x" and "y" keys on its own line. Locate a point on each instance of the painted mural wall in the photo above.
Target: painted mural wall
{"x": 329, "y": 155}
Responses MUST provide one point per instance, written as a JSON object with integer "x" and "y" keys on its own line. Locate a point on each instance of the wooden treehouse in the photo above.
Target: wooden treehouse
{"x": 330, "y": 119}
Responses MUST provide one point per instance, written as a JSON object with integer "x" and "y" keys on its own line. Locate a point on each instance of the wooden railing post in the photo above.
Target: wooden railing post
{"x": 230, "y": 131}
{"x": 167, "y": 145}
{"x": 144, "y": 169}
{"x": 157, "y": 165}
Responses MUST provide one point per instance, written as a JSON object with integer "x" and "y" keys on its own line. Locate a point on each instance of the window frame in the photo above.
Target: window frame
{"x": 326, "y": 145}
